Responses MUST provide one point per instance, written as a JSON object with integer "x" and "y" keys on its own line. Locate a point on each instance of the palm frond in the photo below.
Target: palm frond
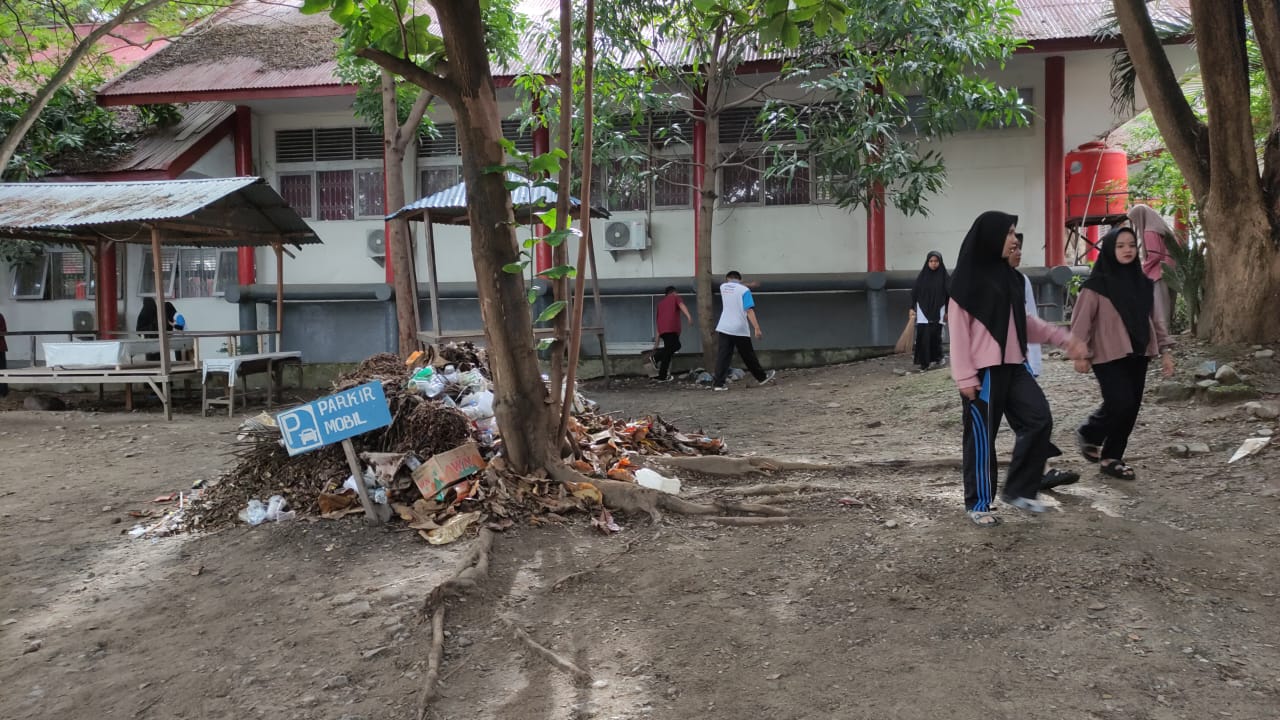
{"x": 1170, "y": 23}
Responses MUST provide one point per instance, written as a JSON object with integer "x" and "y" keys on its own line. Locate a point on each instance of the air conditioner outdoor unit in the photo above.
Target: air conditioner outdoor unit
{"x": 82, "y": 321}
{"x": 376, "y": 243}
{"x": 626, "y": 235}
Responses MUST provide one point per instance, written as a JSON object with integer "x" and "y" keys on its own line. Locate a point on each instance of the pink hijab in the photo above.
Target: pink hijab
{"x": 1154, "y": 233}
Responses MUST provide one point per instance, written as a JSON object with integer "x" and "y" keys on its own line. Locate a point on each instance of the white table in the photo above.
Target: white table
{"x": 106, "y": 353}
{"x": 230, "y": 367}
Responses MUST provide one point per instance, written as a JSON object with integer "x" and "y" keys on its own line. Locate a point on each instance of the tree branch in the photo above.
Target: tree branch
{"x": 1184, "y": 134}
{"x": 755, "y": 93}
{"x": 409, "y": 130}
{"x": 425, "y": 79}
{"x": 1266, "y": 28}
{"x": 128, "y": 11}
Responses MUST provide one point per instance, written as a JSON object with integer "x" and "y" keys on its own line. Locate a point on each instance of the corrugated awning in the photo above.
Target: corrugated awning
{"x": 450, "y": 204}
{"x": 225, "y": 212}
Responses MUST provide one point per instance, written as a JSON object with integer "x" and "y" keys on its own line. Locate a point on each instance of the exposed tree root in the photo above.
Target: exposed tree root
{"x": 473, "y": 567}
{"x": 599, "y": 564}
{"x": 629, "y": 497}
{"x": 551, "y": 656}
{"x": 751, "y": 508}
{"x": 722, "y": 465}
{"x": 739, "y": 521}
{"x": 779, "y": 489}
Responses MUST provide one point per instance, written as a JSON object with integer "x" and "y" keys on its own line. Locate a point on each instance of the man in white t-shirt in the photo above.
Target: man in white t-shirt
{"x": 733, "y": 332}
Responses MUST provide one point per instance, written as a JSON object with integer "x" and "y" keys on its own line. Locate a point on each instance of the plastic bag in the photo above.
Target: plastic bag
{"x": 478, "y": 405}
{"x": 276, "y": 509}
{"x": 255, "y": 513}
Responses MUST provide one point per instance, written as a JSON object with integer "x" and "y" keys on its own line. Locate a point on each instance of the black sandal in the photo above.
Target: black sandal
{"x": 1117, "y": 470}
{"x": 1090, "y": 452}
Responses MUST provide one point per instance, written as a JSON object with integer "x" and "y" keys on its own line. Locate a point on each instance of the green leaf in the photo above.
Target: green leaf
{"x": 552, "y": 310}
{"x": 559, "y": 271}
{"x": 790, "y": 34}
{"x": 515, "y": 268}
{"x": 548, "y": 218}
{"x": 529, "y": 242}
{"x": 343, "y": 11}
{"x": 704, "y": 5}
{"x": 533, "y": 295}
{"x": 556, "y": 238}
{"x": 774, "y": 7}
{"x": 314, "y": 7}
{"x": 545, "y": 343}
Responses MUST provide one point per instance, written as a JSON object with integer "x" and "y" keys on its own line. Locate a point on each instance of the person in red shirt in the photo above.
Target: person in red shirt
{"x": 670, "y": 307}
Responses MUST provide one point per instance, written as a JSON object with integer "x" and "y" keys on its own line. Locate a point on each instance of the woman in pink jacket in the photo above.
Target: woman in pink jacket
{"x": 990, "y": 329}
{"x": 1115, "y": 316}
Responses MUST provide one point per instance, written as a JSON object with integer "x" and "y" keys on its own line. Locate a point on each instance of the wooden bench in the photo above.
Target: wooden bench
{"x": 242, "y": 366}
{"x": 149, "y": 373}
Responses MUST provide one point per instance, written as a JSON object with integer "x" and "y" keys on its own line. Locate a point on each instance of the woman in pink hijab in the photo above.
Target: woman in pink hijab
{"x": 1155, "y": 235}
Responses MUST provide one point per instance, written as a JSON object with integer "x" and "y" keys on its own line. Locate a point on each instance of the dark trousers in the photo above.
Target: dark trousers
{"x": 724, "y": 353}
{"x": 1122, "y": 383}
{"x": 1007, "y": 391}
{"x": 670, "y": 346}
{"x": 4, "y": 365}
{"x": 928, "y": 344}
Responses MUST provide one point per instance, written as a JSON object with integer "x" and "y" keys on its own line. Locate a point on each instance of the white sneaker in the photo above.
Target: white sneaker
{"x": 768, "y": 378}
{"x": 720, "y": 388}
{"x": 1027, "y": 504}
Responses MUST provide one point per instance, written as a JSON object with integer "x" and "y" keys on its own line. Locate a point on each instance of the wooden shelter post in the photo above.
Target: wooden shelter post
{"x": 432, "y": 282}
{"x": 279, "y": 296}
{"x": 157, "y": 267}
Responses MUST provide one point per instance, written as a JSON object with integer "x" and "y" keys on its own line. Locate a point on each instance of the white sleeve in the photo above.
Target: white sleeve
{"x": 1030, "y": 297}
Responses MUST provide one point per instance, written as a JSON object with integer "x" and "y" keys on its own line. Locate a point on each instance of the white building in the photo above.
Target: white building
{"x": 267, "y": 102}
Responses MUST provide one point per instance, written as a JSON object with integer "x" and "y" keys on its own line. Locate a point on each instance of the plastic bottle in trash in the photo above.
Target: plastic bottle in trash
{"x": 450, "y": 373}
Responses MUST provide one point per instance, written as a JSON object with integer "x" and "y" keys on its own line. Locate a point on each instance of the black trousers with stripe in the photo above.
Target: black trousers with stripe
{"x": 1007, "y": 391}
{"x": 1122, "y": 383}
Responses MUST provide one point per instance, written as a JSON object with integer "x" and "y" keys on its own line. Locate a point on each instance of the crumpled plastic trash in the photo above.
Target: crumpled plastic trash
{"x": 736, "y": 374}
{"x": 705, "y": 378}
{"x": 255, "y": 513}
{"x": 276, "y": 509}
{"x": 657, "y": 481}
{"x": 478, "y": 405}
{"x": 273, "y": 510}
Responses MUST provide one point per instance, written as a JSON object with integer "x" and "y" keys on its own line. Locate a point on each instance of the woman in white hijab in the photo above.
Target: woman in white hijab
{"x": 1155, "y": 235}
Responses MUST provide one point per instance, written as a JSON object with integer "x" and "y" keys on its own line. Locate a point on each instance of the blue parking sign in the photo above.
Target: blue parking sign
{"x": 334, "y": 418}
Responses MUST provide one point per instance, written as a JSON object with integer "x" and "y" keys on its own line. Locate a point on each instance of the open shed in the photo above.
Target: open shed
{"x": 218, "y": 212}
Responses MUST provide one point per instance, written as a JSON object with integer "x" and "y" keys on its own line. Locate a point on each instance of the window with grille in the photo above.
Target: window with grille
{"x": 747, "y": 175}
{"x": 60, "y": 275}
{"x": 332, "y": 173}
{"x": 673, "y": 182}
{"x": 439, "y": 177}
{"x": 189, "y": 272}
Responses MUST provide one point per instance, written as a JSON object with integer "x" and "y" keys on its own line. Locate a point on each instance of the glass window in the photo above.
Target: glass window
{"x": 70, "y": 275}
{"x": 335, "y": 196}
{"x": 790, "y": 188}
{"x": 740, "y": 181}
{"x": 197, "y": 271}
{"x": 673, "y": 183}
{"x": 168, "y": 262}
{"x": 437, "y": 178}
{"x": 29, "y": 279}
{"x": 371, "y": 193}
{"x": 296, "y": 191}
{"x": 228, "y": 272}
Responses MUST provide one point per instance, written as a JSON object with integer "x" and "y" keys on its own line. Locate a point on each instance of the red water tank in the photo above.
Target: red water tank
{"x": 1097, "y": 181}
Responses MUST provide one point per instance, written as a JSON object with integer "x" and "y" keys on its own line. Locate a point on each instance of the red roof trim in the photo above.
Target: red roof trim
{"x": 1057, "y": 45}
{"x": 183, "y": 162}
{"x": 240, "y": 95}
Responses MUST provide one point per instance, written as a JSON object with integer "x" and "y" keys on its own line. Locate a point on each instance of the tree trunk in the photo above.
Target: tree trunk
{"x": 521, "y": 400}
{"x": 705, "y": 196}
{"x": 398, "y": 230}
{"x": 1242, "y": 275}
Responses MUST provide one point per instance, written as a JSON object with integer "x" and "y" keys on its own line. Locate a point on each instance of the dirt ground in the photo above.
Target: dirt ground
{"x": 1150, "y": 600}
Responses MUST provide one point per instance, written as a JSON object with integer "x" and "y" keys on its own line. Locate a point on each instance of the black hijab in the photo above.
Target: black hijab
{"x": 984, "y": 284}
{"x": 930, "y": 290}
{"x": 147, "y": 316}
{"x": 1126, "y": 286}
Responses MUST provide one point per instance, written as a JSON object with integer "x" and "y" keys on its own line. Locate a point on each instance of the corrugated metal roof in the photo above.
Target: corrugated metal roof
{"x": 159, "y": 148}
{"x": 220, "y": 211}
{"x": 268, "y": 44}
{"x": 452, "y": 201}
{"x": 1062, "y": 19}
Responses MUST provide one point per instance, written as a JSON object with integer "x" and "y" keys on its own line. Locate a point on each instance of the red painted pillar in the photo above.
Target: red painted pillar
{"x": 699, "y": 168}
{"x": 106, "y": 292}
{"x": 246, "y": 270}
{"x": 875, "y": 230}
{"x": 1091, "y": 234}
{"x": 542, "y": 145}
{"x": 1055, "y": 172}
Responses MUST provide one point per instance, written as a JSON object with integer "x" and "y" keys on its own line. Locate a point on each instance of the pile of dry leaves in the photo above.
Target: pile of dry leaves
{"x": 422, "y": 427}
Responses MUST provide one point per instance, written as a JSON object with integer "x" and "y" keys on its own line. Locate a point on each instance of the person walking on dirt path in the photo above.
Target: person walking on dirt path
{"x": 1155, "y": 236}
{"x": 667, "y": 320}
{"x": 990, "y": 329}
{"x": 1115, "y": 317}
{"x": 929, "y": 310}
{"x": 1052, "y": 477}
{"x": 733, "y": 332}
